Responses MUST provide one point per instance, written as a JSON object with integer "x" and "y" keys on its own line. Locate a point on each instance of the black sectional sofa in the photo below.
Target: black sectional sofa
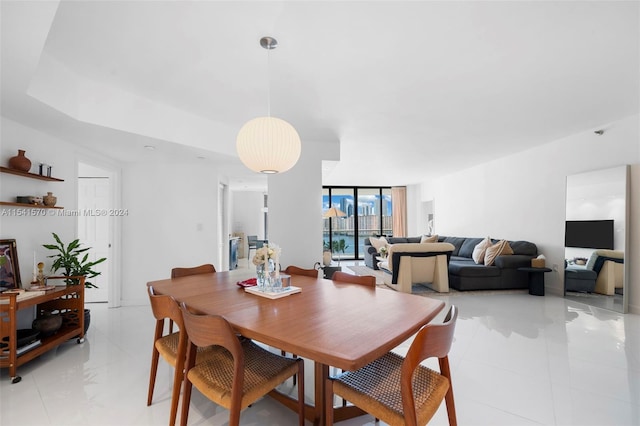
{"x": 465, "y": 274}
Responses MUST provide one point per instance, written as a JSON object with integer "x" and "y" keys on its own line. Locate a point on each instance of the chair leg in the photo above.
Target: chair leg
{"x": 170, "y": 326}
{"x": 300, "y": 392}
{"x": 178, "y": 376}
{"x": 283, "y": 353}
{"x": 152, "y": 374}
{"x": 186, "y": 400}
{"x": 328, "y": 399}
{"x": 448, "y": 398}
{"x": 295, "y": 377}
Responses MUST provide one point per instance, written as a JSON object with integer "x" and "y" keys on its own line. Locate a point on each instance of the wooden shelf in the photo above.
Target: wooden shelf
{"x": 28, "y": 206}
{"x": 29, "y": 175}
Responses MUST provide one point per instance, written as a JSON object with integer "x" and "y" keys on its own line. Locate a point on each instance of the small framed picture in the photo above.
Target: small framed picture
{"x": 9, "y": 267}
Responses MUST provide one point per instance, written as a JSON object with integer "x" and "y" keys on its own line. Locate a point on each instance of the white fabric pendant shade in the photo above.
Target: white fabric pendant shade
{"x": 268, "y": 145}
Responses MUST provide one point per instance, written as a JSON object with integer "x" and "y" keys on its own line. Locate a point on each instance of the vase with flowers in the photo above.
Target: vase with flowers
{"x": 267, "y": 261}
{"x": 383, "y": 252}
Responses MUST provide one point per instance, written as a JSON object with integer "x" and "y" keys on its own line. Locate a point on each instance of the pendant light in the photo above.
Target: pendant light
{"x": 268, "y": 144}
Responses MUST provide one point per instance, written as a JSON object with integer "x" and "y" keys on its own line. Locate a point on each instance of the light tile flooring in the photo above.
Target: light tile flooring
{"x": 516, "y": 360}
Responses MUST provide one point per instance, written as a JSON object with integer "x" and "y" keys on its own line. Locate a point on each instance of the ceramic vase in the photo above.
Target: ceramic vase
{"x": 50, "y": 200}
{"x": 326, "y": 258}
{"x": 47, "y": 324}
{"x": 20, "y": 162}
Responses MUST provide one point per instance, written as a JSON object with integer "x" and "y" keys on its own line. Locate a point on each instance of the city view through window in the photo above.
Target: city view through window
{"x": 350, "y": 215}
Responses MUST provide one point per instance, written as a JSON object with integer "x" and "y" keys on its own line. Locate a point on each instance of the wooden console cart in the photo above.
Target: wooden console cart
{"x": 67, "y": 300}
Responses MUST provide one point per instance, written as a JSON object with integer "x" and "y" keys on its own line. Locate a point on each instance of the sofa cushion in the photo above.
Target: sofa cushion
{"x": 466, "y": 267}
{"x": 378, "y": 243}
{"x": 500, "y": 248}
{"x": 466, "y": 249}
{"x": 524, "y": 247}
{"x": 456, "y": 241}
{"x": 480, "y": 249}
{"x": 399, "y": 240}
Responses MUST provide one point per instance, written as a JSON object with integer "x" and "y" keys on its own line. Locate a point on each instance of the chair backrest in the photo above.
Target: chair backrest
{"x": 206, "y": 330}
{"x": 196, "y": 270}
{"x": 294, "y": 270}
{"x": 343, "y": 277}
{"x": 432, "y": 340}
{"x": 251, "y": 240}
{"x": 164, "y": 307}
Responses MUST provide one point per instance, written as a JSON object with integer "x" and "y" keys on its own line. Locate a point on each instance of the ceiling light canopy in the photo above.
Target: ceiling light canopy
{"x": 268, "y": 144}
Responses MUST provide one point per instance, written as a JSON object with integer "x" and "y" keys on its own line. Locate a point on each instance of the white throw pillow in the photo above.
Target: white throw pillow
{"x": 378, "y": 243}
{"x": 479, "y": 250}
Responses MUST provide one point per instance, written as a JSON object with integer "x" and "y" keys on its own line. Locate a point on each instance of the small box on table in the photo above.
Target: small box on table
{"x": 537, "y": 263}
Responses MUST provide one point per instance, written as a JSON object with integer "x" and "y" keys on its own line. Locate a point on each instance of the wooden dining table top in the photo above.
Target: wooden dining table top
{"x": 341, "y": 325}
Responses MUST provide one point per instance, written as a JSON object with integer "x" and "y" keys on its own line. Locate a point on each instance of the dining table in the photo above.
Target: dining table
{"x": 339, "y": 325}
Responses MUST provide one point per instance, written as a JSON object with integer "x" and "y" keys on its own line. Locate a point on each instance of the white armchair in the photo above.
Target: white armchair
{"x": 609, "y": 265}
{"x": 412, "y": 263}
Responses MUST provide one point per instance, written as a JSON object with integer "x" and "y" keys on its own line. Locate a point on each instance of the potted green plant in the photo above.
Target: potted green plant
{"x": 73, "y": 260}
{"x": 340, "y": 246}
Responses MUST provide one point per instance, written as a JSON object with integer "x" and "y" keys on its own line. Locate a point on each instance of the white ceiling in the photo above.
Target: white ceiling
{"x": 411, "y": 90}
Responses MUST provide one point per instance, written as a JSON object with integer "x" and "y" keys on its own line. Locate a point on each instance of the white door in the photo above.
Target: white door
{"x": 94, "y": 202}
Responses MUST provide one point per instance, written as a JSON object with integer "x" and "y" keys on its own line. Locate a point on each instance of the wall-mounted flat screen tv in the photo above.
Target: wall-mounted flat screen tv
{"x": 596, "y": 234}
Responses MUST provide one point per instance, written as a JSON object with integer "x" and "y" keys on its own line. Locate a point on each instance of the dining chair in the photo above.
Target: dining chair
{"x": 364, "y": 280}
{"x": 295, "y": 270}
{"x": 400, "y": 391}
{"x": 172, "y": 347}
{"x": 207, "y": 268}
{"x": 251, "y": 243}
{"x": 236, "y": 377}
{"x": 344, "y": 277}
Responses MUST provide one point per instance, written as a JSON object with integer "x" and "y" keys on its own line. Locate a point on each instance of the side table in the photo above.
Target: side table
{"x": 536, "y": 279}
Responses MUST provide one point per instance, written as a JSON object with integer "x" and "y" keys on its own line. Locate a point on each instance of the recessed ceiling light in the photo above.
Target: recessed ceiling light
{"x": 200, "y": 157}
{"x": 150, "y": 147}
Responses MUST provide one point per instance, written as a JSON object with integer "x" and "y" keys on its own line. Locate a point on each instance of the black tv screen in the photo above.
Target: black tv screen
{"x": 596, "y": 234}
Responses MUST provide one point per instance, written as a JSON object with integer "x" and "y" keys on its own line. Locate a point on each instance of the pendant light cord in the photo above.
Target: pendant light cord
{"x": 268, "y": 83}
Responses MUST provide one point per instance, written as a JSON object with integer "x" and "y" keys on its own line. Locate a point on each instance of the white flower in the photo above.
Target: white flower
{"x": 266, "y": 252}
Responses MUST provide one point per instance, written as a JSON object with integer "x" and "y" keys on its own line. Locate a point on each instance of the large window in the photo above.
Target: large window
{"x": 351, "y": 214}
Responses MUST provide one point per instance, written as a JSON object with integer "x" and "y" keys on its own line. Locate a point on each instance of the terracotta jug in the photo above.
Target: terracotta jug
{"x": 20, "y": 162}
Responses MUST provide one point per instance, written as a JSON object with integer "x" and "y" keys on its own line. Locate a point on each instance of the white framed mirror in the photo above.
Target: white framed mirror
{"x": 596, "y": 238}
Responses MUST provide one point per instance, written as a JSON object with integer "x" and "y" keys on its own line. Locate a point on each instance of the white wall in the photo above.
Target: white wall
{"x": 172, "y": 222}
{"x": 27, "y": 226}
{"x": 522, "y": 196}
{"x": 295, "y": 206}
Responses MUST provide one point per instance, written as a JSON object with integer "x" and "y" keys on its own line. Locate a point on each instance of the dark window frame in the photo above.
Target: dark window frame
{"x": 356, "y": 230}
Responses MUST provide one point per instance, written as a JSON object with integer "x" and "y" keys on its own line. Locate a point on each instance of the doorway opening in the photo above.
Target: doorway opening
{"x": 95, "y": 227}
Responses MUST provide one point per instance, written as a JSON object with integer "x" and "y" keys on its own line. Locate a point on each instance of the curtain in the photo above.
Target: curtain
{"x": 399, "y": 203}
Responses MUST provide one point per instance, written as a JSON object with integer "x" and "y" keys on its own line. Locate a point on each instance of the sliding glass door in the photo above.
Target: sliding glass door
{"x": 351, "y": 214}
